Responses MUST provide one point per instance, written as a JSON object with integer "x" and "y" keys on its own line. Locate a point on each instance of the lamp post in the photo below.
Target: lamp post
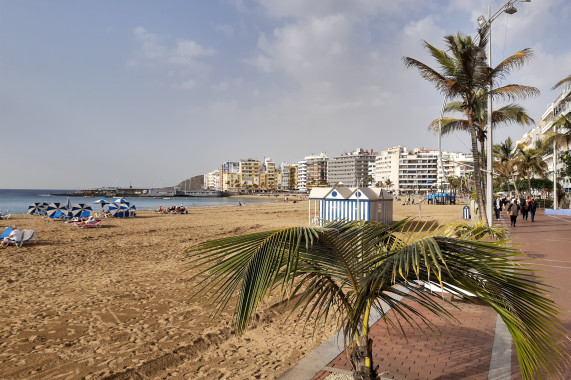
{"x": 487, "y": 24}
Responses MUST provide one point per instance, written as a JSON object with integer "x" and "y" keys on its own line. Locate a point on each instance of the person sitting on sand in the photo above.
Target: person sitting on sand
{"x": 90, "y": 220}
{"x": 15, "y": 235}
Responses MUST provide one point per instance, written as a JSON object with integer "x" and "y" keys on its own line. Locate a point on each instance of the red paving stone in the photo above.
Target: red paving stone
{"x": 463, "y": 350}
{"x": 451, "y": 351}
{"x": 548, "y": 244}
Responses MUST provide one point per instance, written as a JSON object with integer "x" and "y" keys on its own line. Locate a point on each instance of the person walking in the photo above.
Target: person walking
{"x": 498, "y": 207}
{"x": 524, "y": 209}
{"x": 513, "y": 211}
{"x": 532, "y": 204}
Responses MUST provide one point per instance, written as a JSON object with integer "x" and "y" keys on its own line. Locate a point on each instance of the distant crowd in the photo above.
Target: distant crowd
{"x": 515, "y": 207}
{"x": 171, "y": 210}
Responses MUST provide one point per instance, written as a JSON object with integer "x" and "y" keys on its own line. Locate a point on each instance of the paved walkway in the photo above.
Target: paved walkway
{"x": 477, "y": 348}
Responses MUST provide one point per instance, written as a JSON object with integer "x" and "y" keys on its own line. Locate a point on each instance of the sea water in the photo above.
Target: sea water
{"x": 15, "y": 201}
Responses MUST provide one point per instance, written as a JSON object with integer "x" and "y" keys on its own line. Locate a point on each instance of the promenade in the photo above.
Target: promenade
{"x": 479, "y": 346}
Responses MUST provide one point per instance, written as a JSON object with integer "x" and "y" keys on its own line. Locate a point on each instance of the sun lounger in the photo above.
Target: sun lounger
{"x": 6, "y": 232}
{"x": 28, "y": 236}
{"x": 89, "y": 225}
{"x": 5, "y": 215}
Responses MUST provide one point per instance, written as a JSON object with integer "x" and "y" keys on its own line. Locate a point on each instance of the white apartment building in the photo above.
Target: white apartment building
{"x": 418, "y": 170}
{"x": 351, "y": 169}
{"x": 212, "y": 180}
{"x": 561, "y": 106}
{"x": 302, "y": 175}
{"x": 312, "y": 171}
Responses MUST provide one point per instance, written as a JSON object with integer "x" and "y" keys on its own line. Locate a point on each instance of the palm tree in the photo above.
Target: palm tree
{"x": 504, "y": 163}
{"x": 563, "y": 138}
{"x": 562, "y": 82}
{"x": 506, "y": 115}
{"x": 528, "y": 162}
{"x": 344, "y": 270}
{"x": 388, "y": 183}
{"x": 465, "y": 75}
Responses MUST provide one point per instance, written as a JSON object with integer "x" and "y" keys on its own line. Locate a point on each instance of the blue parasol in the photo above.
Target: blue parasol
{"x": 35, "y": 208}
{"x": 56, "y": 210}
{"x": 81, "y": 210}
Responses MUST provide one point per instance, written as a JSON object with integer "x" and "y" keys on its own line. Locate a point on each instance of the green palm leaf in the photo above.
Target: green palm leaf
{"x": 344, "y": 269}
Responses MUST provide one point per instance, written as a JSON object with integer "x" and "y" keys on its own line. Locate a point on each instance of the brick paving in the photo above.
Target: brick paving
{"x": 547, "y": 242}
{"x": 463, "y": 350}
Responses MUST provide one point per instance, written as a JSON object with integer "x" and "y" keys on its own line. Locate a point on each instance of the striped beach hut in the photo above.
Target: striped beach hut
{"x": 332, "y": 203}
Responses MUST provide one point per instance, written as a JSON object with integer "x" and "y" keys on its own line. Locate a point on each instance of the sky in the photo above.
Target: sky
{"x": 149, "y": 93}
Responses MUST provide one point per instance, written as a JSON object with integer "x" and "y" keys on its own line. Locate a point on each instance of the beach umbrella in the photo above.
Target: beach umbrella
{"x": 119, "y": 210}
{"x": 132, "y": 210}
{"x": 68, "y": 208}
{"x": 120, "y": 200}
{"x": 78, "y": 210}
{"x": 102, "y": 202}
{"x": 43, "y": 207}
{"x": 35, "y": 208}
{"x": 53, "y": 208}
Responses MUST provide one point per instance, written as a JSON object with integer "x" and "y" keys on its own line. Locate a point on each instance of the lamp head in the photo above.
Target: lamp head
{"x": 481, "y": 22}
{"x": 511, "y": 10}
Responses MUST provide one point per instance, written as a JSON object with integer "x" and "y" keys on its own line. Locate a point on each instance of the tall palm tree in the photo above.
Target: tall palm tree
{"x": 344, "y": 270}
{"x": 466, "y": 76}
{"x": 506, "y": 115}
{"x": 528, "y": 162}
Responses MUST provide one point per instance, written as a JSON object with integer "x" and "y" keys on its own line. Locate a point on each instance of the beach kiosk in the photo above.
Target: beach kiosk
{"x": 332, "y": 203}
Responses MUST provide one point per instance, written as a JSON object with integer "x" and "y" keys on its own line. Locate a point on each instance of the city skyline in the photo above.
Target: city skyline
{"x": 147, "y": 93}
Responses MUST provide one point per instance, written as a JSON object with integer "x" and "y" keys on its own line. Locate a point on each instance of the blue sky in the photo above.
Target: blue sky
{"x": 148, "y": 93}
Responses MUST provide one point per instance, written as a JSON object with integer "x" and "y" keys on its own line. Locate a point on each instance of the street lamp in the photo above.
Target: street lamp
{"x": 487, "y": 24}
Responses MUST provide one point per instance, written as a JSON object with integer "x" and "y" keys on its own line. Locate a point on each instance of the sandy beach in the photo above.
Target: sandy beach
{"x": 114, "y": 303}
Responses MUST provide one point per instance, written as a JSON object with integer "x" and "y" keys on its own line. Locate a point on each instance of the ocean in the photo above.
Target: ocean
{"x": 15, "y": 201}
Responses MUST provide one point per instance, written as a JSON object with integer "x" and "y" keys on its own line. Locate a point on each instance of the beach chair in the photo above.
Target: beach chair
{"x": 5, "y": 215}
{"x": 7, "y": 231}
{"x": 28, "y": 236}
{"x": 89, "y": 225}
{"x": 58, "y": 215}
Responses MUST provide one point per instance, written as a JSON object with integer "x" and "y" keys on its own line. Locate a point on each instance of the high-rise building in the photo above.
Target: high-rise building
{"x": 268, "y": 175}
{"x": 288, "y": 176}
{"x": 250, "y": 173}
{"x": 351, "y": 169}
{"x": 312, "y": 171}
{"x": 230, "y": 175}
{"x": 406, "y": 172}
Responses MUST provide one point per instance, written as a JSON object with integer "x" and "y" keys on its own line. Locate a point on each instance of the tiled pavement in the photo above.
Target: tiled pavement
{"x": 464, "y": 350}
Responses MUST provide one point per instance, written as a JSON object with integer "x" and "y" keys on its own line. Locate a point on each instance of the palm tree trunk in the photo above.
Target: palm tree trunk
{"x": 484, "y": 162}
{"x": 477, "y": 172}
{"x": 362, "y": 352}
{"x": 362, "y": 359}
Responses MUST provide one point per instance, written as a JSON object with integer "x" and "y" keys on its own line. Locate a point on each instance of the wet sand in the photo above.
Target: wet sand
{"x": 113, "y": 302}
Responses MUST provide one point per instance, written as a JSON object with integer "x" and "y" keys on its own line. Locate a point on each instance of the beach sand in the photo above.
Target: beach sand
{"x": 114, "y": 302}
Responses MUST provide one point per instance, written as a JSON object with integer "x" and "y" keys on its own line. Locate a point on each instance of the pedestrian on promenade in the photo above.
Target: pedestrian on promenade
{"x": 513, "y": 211}
{"x": 498, "y": 207}
{"x": 532, "y": 204}
{"x": 524, "y": 209}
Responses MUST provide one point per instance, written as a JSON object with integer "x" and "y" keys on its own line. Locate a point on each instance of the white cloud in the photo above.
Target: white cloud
{"x": 184, "y": 56}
